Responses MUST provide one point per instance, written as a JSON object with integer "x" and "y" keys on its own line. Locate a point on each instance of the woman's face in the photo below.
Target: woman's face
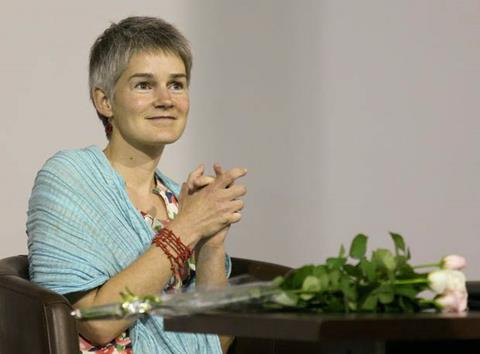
{"x": 151, "y": 100}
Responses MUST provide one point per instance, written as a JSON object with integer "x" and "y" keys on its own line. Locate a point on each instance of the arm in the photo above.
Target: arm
{"x": 200, "y": 215}
{"x": 211, "y": 272}
{"x": 147, "y": 275}
{"x": 210, "y": 251}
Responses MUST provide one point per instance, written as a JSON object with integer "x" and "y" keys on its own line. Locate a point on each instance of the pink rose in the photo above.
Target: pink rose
{"x": 453, "y": 301}
{"x": 453, "y": 262}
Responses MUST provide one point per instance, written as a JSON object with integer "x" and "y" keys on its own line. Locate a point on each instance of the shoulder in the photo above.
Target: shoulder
{"x": 75, "y": 167}
{"x": 75, "y": 162}
{"x": 72, "y": 158}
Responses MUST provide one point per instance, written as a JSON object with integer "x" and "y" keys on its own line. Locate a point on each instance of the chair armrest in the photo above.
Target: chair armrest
{"x": 41, "y": 319}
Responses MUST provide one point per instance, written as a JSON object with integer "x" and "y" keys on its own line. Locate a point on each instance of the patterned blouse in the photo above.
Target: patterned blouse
{"x": 122, "y": 344}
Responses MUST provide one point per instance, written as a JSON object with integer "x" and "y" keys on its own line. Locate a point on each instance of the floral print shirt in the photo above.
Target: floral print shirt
{"x": 122, "y": 344}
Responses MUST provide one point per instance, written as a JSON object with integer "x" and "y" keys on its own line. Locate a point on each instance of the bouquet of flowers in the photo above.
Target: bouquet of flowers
{"x": 385, "y": 281}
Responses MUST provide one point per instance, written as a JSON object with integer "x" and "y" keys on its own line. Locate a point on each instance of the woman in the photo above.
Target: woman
{"x": 103, "y": 221}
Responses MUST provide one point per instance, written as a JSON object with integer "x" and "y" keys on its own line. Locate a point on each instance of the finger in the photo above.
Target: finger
{"x": 193, "y": 176}
{"x": 237, "y": 205}
{"x": 218, "y": 169}
{"x": 183, "y": 192}
{"x": 228, "y": 177}
{"x": 234, "y": 217}
{"x": 235, "y": 191}
{"x": 202, "y": 181}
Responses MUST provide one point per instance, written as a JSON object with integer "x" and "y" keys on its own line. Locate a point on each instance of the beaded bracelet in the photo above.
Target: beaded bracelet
{"x": 167, "y": 241}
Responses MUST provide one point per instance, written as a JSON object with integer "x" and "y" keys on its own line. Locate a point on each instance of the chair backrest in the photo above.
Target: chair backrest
{"x": 257, "y": 269}
{"x": 32, "y": 319}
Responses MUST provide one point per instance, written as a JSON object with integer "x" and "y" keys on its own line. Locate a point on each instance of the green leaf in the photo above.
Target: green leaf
{"x": 385, "y": 258}
{"x": 294, "y": 280}
{"x": 399, "y": 243}
{"x": 368, "y": 269}
{"x": 341, "y": 253}
{"x": 321, "y": 273}
{"x": 277, "y": 281}
{"x": 352, "y": 305}
{"x": 401, "y": 261}
{"x": 307, "y": 297}
{"x": 348, "y": 288}
{"x": 404, "y": 270}
{"x": 406, "y": 290}
{"x": 335, "y": 263}
{"x": 353, "y": 271}
{"x": 385, "y": 294}
{"x": 311, "y": 284}
{"x": 335, "y": 304}
{"x": 334, "y": 277}
{"x": 358, "y": 246}
{"x": 370, "y": 303}
{"x": 406, "y": 304}
{"x": 286, "y": 299}
{"x": 408, "y": 255}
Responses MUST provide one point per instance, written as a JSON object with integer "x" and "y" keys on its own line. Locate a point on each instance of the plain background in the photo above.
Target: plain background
{"x": 351, "y": 116}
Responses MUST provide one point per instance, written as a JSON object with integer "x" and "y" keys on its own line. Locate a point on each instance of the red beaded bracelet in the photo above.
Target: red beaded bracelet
{"x": 167, "y": 241}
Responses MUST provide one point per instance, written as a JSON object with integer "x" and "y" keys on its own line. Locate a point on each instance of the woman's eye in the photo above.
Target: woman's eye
{"x": 143, "y": 85}
{"x": 177, "y": 85}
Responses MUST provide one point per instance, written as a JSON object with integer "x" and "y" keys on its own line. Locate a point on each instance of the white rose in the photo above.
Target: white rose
{"x": 438, "y": 280}
{"x": 446, "y": 279}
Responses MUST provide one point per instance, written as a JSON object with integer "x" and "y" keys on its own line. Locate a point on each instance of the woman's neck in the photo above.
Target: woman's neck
{"x": 136, "y": 166}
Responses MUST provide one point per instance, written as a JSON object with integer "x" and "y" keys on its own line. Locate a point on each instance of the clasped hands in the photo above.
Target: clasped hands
{"x": 208, "y": 205}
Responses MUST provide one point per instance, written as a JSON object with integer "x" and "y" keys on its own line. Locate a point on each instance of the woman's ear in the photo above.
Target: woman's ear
{"x": 102, "y": 102}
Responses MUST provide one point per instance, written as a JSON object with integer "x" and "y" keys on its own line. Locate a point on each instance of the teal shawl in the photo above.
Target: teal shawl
{"x": 82, "y": 230}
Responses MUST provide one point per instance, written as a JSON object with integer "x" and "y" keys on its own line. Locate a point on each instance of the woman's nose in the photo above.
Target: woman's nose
{"x": 163, "y": 98}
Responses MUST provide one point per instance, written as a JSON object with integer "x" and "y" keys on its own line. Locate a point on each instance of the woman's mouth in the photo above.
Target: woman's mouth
{"x": 161, "y": 118}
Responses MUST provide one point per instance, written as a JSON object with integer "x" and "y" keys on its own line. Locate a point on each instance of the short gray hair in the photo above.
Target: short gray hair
{"x": 111, "y": 52}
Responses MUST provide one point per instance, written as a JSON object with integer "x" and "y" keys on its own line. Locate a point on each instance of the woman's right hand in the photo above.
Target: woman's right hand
{"x": 208, "y": 210}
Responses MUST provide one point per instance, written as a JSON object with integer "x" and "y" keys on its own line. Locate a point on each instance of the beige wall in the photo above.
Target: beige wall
{"x": 351, "y": 116}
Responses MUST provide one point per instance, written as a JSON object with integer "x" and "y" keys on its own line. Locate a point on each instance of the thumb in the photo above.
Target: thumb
{"x": 183, "y": 193}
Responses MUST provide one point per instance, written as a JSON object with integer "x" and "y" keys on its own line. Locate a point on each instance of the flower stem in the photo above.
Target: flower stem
{"x": 410, "y": 281}
{"x": 426, "y": 265}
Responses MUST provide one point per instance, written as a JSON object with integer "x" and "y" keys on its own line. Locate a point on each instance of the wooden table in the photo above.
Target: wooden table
{"x": 296, "y": 333}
